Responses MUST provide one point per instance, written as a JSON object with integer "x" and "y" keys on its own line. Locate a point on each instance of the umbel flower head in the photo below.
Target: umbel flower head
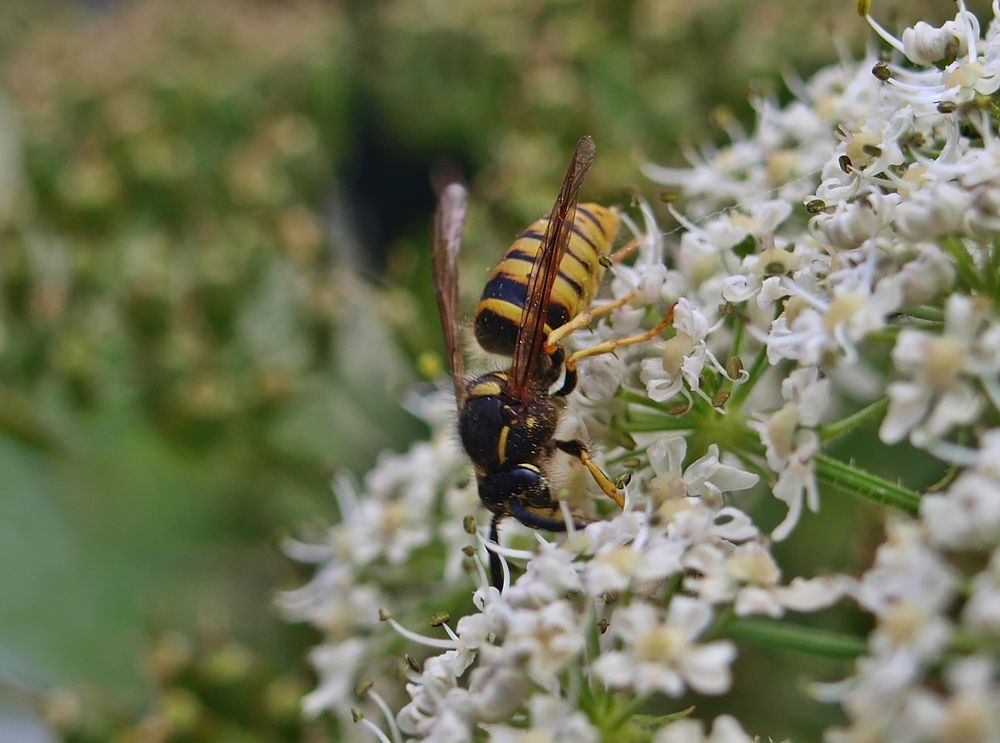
{"x": 836, "y": 265}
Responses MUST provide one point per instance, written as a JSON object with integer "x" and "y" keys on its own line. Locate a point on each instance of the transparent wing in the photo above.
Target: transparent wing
{"x": 449, "y": 221}
{"x": 531, "y": 332}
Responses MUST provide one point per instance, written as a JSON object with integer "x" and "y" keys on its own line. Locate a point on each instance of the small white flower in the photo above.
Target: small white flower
{"x": 553, "y": 720}
{"x": 682, "y": 357}
{"x": 660, "y": 652}
{"x": 938, "y": 396}
{"x": 966, "y": 516}
{"x": 981, "y": 612}
{"x": 438, "y": 706}
{"x": 706, "y": 478}
{"x": 749, "y": 577}
{"x": 544, "y": 640}
{"x": 725, "y": 729}
{"x": 337, "y": 667}
{"x": 548, "y": 576}
{"x": 790, "y": 448}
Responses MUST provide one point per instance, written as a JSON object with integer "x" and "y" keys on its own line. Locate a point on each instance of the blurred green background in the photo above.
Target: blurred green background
{"x": 215, "y": 288}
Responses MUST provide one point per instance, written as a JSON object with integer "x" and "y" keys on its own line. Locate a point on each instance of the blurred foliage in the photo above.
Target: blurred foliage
{"x": 204, "y": 688}
{"x": 190, "y": 195}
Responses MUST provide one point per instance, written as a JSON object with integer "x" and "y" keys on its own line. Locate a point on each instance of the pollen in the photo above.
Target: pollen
{"x": 775, "y": 261}
{"x": 944, "y": 361}
{"x": 623, "y": 558}
{"x": 675, "y": 350}
{"x": 858, "y": 148}
{"x": 781, "y": 429}
{"x": 916, "y": 174}
{"x": 904, "y": 621}
{"x": 793, "y": 307}
{"x": 781, "y": 167}
{"x": 666, "y": 487}
{"x": 753, "y": 568}
{"x": 842, "y": 309}
{"x": 966, "y": 75}
{"x": 660, "y": 644}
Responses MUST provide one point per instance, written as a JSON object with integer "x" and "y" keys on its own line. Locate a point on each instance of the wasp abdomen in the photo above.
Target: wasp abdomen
{"x": 498, "y": 314}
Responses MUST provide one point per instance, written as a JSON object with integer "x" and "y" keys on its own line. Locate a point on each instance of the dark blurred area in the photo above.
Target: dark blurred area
{"x": 215, "y": 289}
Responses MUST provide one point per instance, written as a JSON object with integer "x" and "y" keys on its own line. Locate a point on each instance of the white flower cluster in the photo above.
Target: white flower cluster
{"x": 839, "y": 263}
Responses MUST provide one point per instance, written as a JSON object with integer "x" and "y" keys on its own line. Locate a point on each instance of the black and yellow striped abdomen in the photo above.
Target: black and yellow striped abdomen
{"x": 499, "y": 311}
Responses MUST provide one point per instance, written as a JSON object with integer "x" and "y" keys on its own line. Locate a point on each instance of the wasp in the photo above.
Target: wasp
{"x": 539, "y": 292}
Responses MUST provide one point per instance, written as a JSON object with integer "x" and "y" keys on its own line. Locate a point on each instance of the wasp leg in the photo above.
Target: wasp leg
{"x": 610, "y": 346}
{"x": 577, "y": 449}
{"x": 496, "y": 571}
{"x": 624, "y": 251}
{"x": 527, "y": 517}
{"x": 582, "y": 320}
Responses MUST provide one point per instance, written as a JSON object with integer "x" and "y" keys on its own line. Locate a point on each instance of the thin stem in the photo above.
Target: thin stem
{"x": 625, "y": 713}
{"x": 994, "y": 268}
{"x": 741, "y": 392}
{"x": 964, "y": 263}
{"x": 923, "y": 312}
{"x": 637, "y": 399}
{"x": 738, "y": 335}
{"x": 649, "y": 423}
{"x": 885, "y": 335}
{"x": 631, "y": 454}
{"x": 854, "y": 420}
{"x": 720, "y": 625}
{"x": 797, "y": 637}
{"x": 850, "y": 479}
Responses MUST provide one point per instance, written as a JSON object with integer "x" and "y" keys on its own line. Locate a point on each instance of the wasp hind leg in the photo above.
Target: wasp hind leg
{"x": 577, "y": 449}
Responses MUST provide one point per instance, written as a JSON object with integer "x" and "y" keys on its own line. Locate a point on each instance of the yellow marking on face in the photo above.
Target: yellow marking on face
{"x": 530, "y": 421}
{"x": 485, "y": 389}
{"x": 527, "y": 466}
{"x": 502, "y": 444}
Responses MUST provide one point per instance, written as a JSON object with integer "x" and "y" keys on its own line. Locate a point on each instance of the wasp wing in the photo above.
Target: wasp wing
{"x": 531, "y": 332}
{"x": 449, "y": 221}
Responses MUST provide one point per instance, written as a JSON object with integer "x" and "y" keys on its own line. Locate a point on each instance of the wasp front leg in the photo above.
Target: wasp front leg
{"x": 577, "y": 449}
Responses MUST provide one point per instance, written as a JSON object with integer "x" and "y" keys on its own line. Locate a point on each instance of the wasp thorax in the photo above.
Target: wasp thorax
{"x": 498, "y": 429}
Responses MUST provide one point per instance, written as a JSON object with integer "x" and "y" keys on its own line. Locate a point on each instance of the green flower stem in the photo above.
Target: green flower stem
{"x": 853, "y": 421}
{"x": 738, "y": 335}
{"x": 797, "y": 637}
{"x": 993, "y": 272}
{"x": 964, "y": 642}
{"x": 963, "y": 261}
{"x": 722, "y": 622}
{"x": 652, "y": 423}
{"x": 625, "y": 713}
{"x": 850, "y": 479}
{"x": 923, "y": 312}
{"x": 636, "y": 399}
{"x": 885, "y": 335}
{"x": 631, "y": 454}
{"x": 758, "y": 368}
